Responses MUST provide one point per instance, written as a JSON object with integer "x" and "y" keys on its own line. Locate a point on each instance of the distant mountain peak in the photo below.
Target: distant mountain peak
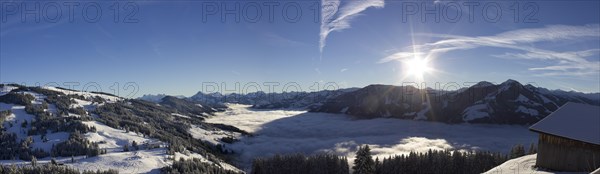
{"x": 511, "y": 81}
{"x": 483, "y": 84}
{"x": 156, "y": 98}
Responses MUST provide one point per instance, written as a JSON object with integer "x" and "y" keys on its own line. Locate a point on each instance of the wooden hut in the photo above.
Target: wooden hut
{"x": 569, "y": 139}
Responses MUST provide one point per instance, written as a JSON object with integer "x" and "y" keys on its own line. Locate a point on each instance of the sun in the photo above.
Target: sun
{"x": 417, "y": 67}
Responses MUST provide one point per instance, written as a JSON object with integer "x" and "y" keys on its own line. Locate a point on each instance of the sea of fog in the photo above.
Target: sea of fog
{"x": 284, "y": 131}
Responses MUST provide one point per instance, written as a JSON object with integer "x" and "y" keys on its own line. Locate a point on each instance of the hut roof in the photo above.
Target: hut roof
{"x": 573, "y": 121}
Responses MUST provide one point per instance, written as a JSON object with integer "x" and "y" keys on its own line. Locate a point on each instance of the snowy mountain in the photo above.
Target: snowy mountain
{"x": 262, "y": 100}
{"x": 507, "y": 103}
{"x": 156, "y": 97}
{"x": 99, "y": 131}
{"x": 187, "y": 107}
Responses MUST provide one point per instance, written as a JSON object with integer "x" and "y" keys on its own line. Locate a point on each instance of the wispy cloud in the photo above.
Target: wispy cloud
{"x": 400, "y": 56}
{"x": 336, "y": 16}
{"x": 571, "y": 63}
{"x": 278, "y": 40}
{"x": 566, "y": 62}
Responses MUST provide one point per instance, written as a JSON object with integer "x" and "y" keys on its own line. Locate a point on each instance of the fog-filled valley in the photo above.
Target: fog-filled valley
{"x": 289, "y": 131}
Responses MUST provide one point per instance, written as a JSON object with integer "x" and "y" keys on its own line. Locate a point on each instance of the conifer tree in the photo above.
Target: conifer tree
{"x": 517, "y": 151}
{"x": 364, "y": 164}
{"x": 33, "y": 161}
{"x": 532, "y": 149}
{"x": 134, "y": 145}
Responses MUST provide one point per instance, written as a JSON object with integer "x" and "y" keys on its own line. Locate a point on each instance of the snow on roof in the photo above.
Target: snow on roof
{"x": 574, "y": 121}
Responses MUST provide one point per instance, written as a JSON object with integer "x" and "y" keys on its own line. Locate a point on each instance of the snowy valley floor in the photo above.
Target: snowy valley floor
{"x": 282, "y": 131}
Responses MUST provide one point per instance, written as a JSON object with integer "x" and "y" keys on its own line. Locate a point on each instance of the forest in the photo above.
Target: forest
{"x": 194, "y": 165}
{"x": 48, "y": 168}
{"x": 432, "y": 161}
{"x": 44, "y": 123}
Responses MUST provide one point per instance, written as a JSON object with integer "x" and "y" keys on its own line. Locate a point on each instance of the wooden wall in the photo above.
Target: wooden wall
{"x": 562, "y": 154}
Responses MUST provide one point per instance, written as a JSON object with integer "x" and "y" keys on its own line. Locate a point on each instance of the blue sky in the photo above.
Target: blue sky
{"x": 176, "y": 47}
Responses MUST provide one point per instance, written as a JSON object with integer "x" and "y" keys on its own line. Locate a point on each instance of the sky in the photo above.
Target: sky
{"x": 182, "y": 47}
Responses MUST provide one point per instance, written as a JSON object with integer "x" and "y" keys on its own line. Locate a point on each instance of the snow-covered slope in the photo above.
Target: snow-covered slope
{"x": 524, "y": 164}
{"x": 4, "y": 89}
{"x": 107, "y": 97}
{"x": 14, "y": 121}
{"x": 114, "y": 139}
{"x": 19, "y": 123}
{"x": 140, "y": 161}
{"x": 150, "y": 158}
{"x": 212, "y": 136}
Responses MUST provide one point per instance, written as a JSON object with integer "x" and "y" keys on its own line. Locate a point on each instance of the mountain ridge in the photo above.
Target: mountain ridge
{"x": 509, "y": 102}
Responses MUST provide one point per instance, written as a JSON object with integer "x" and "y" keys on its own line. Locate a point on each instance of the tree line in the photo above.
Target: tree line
{"x": 432, "y": 161}
{"x": 194, "y": 165}
{"x": 299, "y": 163}
{"x": 48, "y": 168}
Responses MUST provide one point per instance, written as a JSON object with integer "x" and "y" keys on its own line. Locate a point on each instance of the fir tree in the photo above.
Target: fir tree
{"x": 364, "y": 164}
{"x": 532, "y": 149}
{"x": 135, "y": 145}
{"x": 517, "y": 151}
{"x": 33, "y": 161}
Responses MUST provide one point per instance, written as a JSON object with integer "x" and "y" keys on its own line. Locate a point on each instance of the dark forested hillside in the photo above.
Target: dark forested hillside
{"x": 44, "y": 123}
{"x": 507, "y": 103}
{"x": 157, "y": 122}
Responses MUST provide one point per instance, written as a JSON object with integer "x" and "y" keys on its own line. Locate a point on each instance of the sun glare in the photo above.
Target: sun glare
{"x": 417, "y": 67}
